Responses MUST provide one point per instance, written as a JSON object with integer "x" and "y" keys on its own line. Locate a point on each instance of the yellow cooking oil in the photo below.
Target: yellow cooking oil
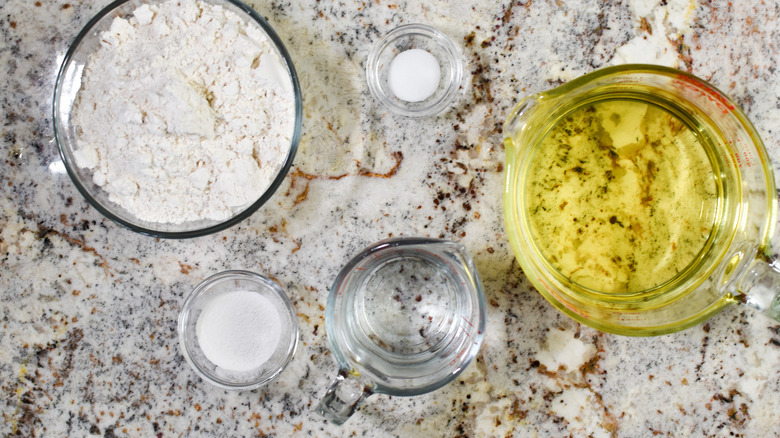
{"x": 621, "y": 196}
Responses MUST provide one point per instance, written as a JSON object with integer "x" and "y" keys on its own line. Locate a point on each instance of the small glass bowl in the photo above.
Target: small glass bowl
{"x": 66, "y": 91}
{"x": 415, "y": 36}
{"x": 222, "y": 283}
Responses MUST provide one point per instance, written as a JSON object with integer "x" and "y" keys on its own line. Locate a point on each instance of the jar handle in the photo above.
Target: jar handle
{"x": 760, "y": 288}
{"x": 343, "y": 397}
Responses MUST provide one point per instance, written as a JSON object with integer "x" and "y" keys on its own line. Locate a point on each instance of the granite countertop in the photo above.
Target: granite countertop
{"x": 88, "y": 344}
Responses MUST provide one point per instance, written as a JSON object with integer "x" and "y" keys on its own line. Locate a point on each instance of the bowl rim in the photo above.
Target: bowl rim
{"x": 210, "y": 229}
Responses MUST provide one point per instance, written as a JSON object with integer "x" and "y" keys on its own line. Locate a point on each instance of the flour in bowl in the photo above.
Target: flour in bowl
{"x": 185, "y": 112}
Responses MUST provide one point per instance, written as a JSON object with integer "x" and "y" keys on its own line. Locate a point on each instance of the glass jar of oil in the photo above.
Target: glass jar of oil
{"x": 639, "y": 199}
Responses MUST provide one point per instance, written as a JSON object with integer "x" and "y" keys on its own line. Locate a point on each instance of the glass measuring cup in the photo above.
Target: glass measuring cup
{"x": 404, "y": 317}
{"x": 728, "y": 259}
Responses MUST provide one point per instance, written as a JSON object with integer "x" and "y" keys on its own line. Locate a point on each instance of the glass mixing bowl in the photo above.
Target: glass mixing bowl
{"x": 66, "y": 134}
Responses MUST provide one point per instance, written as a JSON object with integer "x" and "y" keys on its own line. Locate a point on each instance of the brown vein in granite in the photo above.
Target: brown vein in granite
{"x": 302, "y": 194}
{"x": 507, "y": 16}
{"x": 775, "y": 341}
{"x": 464, "y": 195}
{"x": 43, "y": 233}
{"x": 579, "y": 379}
{"x": 645, "y": 25}
{"x": 683, "y": 52}
{"x": 29, "y": 392}
{"x": 703, "y": 350}
{"x": 282, "y": 229}
{"x": 468, "y": 159}
{"x": 397, "y": 156}
{"x": 480, "y": 81}
{"x": 737, "y": 415}
{"x": 298, "y": 174}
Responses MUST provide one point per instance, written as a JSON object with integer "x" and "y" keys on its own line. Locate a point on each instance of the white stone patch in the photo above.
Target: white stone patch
{"x": 486, "y": 424}
{"x": 167, "y": 269}
{"x": 667, "y": 22}
{"x": 576, "y": 406}
{"x": 564, "y": 351}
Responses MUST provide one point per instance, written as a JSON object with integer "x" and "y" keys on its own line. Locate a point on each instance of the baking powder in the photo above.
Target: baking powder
{"x": 414, "y": 75}
{"x": 185, "y": 112}
{"x": 239, "y": 331}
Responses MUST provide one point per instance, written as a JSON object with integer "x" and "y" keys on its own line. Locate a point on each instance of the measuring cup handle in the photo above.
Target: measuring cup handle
{"x": 760, "y": 288}
{"x": 342, "y": 397}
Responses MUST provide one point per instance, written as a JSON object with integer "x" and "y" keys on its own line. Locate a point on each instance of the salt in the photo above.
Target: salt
{"x": 239, "y": 331}
{"x": 414, "y": 75}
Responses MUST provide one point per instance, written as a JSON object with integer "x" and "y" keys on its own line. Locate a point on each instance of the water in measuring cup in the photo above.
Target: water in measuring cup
{"x": 622, "y": 195}
{"x": 407, "y": 319}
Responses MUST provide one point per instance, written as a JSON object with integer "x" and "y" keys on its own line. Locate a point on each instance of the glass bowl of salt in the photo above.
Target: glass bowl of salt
{"x": 238, "y": 330}
{"x": 415, "y": 71}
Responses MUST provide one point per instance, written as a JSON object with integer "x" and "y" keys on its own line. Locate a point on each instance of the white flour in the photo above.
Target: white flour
{"x": 185, "y": 112}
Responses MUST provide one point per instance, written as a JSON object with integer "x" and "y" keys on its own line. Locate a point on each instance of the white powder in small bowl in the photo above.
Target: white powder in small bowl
{"x": 186, "y": 112}
{"x": 414, "y": 75}
{"x": 239, "y": 331}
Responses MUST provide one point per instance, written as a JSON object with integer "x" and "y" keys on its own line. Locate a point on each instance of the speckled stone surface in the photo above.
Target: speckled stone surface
{"x": 88, "y": 309}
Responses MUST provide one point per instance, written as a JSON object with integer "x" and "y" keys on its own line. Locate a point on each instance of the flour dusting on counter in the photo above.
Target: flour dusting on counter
{"x": 186, "y": 112}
